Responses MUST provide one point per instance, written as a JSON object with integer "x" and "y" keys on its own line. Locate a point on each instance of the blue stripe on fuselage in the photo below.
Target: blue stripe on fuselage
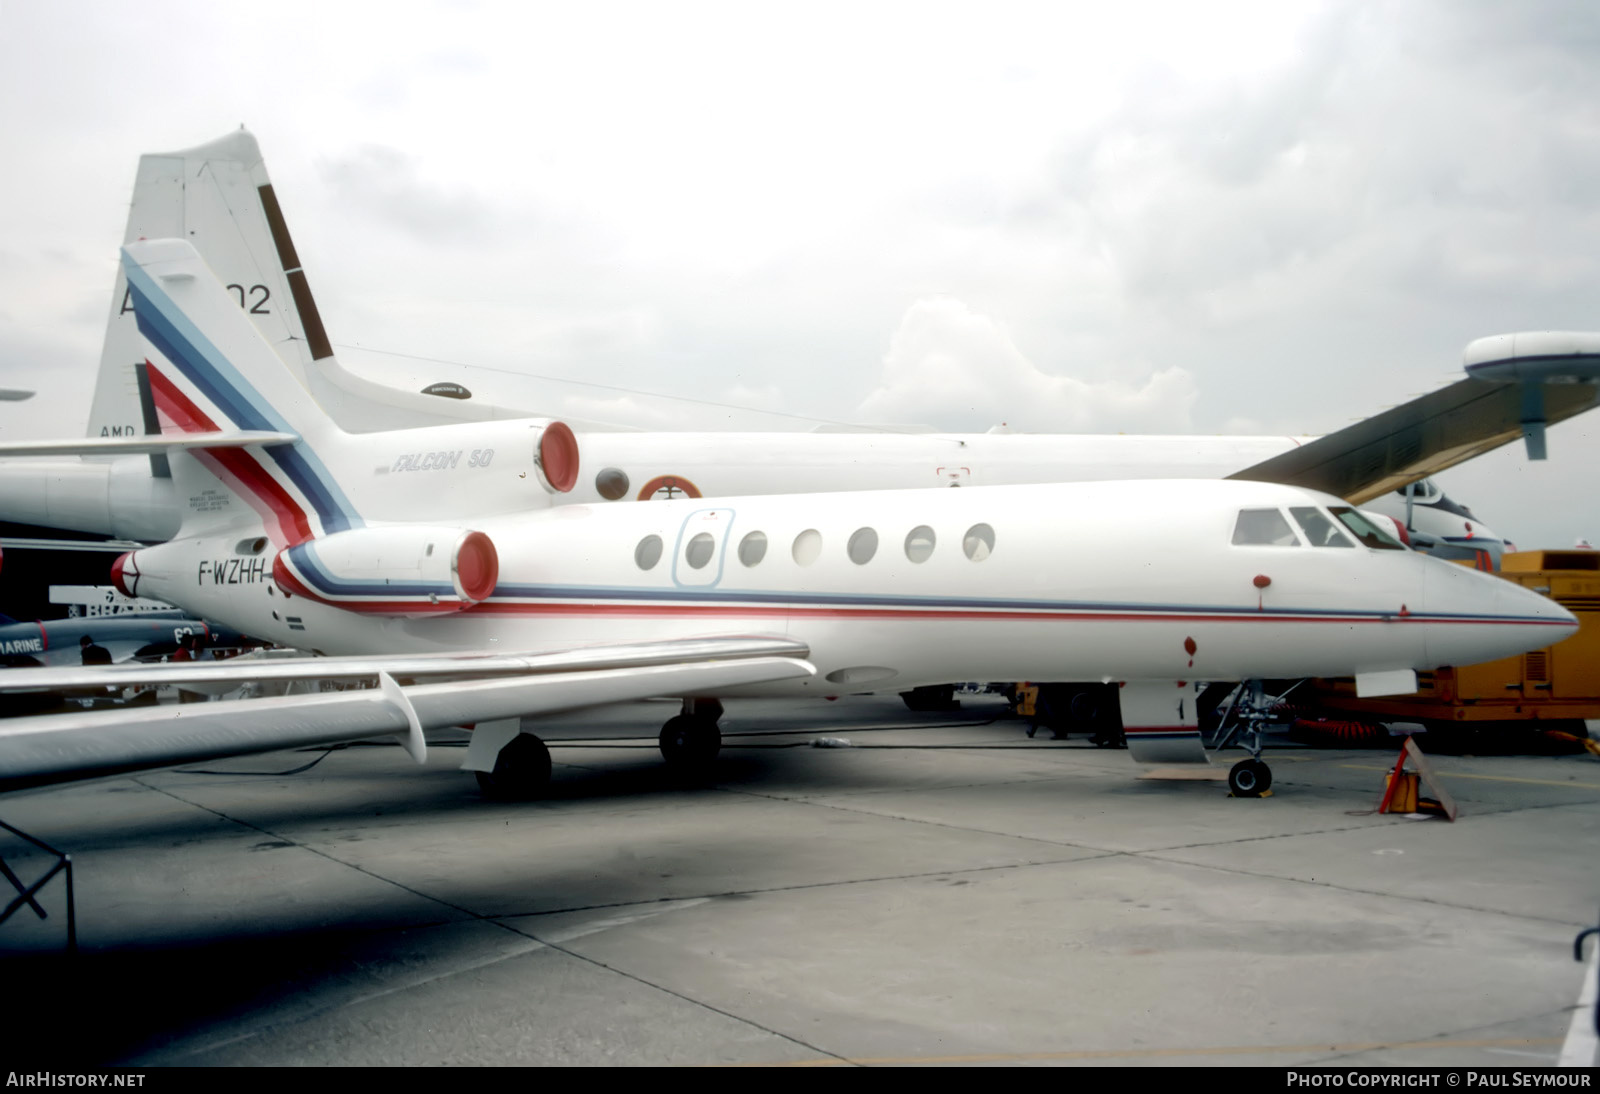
{"x": 181, "y": 342}
{"x": 305, "y": 558}
{"x": 506, "y": 591}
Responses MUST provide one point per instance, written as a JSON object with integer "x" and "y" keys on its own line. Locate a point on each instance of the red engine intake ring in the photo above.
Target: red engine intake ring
{"x": 477, "y": 564}
{"x": 558, "y": 457}
{"x": 125, "y": 574}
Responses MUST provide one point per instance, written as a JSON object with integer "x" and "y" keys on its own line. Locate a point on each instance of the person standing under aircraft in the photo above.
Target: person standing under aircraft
{"x": 91, "y": 653}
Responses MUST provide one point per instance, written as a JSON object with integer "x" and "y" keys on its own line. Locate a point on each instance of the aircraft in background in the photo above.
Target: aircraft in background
{"x": 54, "y": 642}
{"x": 496, "y": 614}
{"x": 219, "y": 197}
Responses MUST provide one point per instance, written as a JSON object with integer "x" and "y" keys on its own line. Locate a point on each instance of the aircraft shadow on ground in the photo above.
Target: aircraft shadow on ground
{"x": 103, "y": 1007}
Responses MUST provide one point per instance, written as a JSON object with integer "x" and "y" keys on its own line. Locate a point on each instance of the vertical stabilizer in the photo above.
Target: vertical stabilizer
{"x": 210, "y": 370}
{"x": 218, "y": 198}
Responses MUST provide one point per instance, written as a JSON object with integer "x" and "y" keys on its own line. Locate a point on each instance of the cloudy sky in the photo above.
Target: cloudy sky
{"x": 1144, "y": 217}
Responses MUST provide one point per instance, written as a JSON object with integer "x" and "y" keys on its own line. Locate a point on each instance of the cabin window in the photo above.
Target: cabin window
{"x": 1263, "y": 528}
{"x": 699, "y": 551}
{"x": 807, "y": 546}
{"x": 753, "y": 548}
{"x": 1319, "y": 529}
{"x": 862, "y": 546}
{"x": 978, "y": 543}
{"x": 648, "y": 553}
{"x": 919, "y": 543}
{"x": 611, "y": 484}
{"x": 1364, "y": 530}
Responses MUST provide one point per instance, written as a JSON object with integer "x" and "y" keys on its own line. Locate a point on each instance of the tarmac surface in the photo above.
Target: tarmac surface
{"x": 956, "y": 894}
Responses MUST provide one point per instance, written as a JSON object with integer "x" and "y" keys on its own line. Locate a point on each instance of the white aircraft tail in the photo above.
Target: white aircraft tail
{"x": 212, "y": 373}
{"x": 218, "y": 197}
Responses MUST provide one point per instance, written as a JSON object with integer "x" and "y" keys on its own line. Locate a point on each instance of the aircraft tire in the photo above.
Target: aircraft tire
{"x": 521, "y": 770}
{"x": 1249, "y": 779}
{"x": 690, "y": 743}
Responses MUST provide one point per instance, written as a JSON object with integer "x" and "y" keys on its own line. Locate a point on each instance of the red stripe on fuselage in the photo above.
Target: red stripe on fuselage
{"x": 235, "y": 466}
{"x": 801, "y": 612}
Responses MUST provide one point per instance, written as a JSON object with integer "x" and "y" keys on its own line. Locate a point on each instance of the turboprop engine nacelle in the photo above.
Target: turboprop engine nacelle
{"x": 398, "y": 570}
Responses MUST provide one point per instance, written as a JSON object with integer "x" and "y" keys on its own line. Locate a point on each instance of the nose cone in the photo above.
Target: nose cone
{"x": 125, "y": 574}
{"x": 1478, "y": 617}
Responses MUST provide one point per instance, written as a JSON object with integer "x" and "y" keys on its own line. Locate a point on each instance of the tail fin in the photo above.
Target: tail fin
{"x": 213, "y": 371}
{"x": 216, "y": 196}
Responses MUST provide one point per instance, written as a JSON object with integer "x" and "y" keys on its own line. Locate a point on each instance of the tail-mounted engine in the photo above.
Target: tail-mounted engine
{"x": 405, "y": 570}
{"x": 556, "y": 458}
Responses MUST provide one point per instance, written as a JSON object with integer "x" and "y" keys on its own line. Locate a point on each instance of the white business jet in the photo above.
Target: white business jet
{"x": 295, "y": 531}
{"x": 219, "y": 197}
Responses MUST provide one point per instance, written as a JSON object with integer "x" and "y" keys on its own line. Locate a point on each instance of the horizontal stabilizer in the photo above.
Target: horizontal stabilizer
{"x": 53, "y": 749}
{"x": 143, "y": 444}
{"x": 1412, "y": 441}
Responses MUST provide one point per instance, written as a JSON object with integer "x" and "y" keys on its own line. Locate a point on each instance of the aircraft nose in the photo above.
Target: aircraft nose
{"x": 1481, "y": 617}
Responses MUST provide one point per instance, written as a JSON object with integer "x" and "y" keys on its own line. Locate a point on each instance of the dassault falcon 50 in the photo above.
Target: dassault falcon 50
{"x": 218, "y": 197}
{"x": 465, "y": 609}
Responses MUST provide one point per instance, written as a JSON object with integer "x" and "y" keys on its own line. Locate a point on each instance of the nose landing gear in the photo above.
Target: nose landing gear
{"x": 1244, "y": 724}
{"x": 1249, "y": 779}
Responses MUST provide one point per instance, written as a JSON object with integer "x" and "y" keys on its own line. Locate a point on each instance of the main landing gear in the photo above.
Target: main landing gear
{"x": 512, "y": 764}
{"x": 521, "y": 770}
{"x": 691, "y": 740}
{"x": 1244, "y": 724}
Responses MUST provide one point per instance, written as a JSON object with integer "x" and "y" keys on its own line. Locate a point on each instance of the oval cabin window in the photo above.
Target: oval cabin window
{"x": 919, "y": 543}
{"x": 648, "y": 553}
{"x": 753, "y": 548}
{"x": 862, "y": 546}
{"x": 807, "y": 546}
{"x": 978, "y": 543}
{"x": 699, "y": 551}
{"x": 611, "y": 484}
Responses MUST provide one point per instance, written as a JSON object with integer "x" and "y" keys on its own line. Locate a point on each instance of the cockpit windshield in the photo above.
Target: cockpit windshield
{"x": 1263, "y": 528}
{"x": 1363, "y": 529}
{"x": 1423, "y": 492}
{"x": 1319, "y": 530}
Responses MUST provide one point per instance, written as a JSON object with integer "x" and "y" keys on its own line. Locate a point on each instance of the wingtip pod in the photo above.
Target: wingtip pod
{"x": 1546, "y": 356}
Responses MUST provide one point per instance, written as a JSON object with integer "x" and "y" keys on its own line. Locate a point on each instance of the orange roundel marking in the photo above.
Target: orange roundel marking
{"x": 668, "y": 486}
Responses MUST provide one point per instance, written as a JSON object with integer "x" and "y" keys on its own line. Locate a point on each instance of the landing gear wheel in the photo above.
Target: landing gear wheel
{"x": 689, "y": 743}
{"x": 1249, "y": 779}
{"x": 521, "y": 770}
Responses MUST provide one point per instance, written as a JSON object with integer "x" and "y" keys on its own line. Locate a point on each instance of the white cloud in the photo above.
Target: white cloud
{"x": 950, "y": 367}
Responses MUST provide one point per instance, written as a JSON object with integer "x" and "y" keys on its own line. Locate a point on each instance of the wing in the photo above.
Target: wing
{"x": 51, "y": 749}
{"x": 1417, "y": 439}
{"x": 143, "y": 444}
